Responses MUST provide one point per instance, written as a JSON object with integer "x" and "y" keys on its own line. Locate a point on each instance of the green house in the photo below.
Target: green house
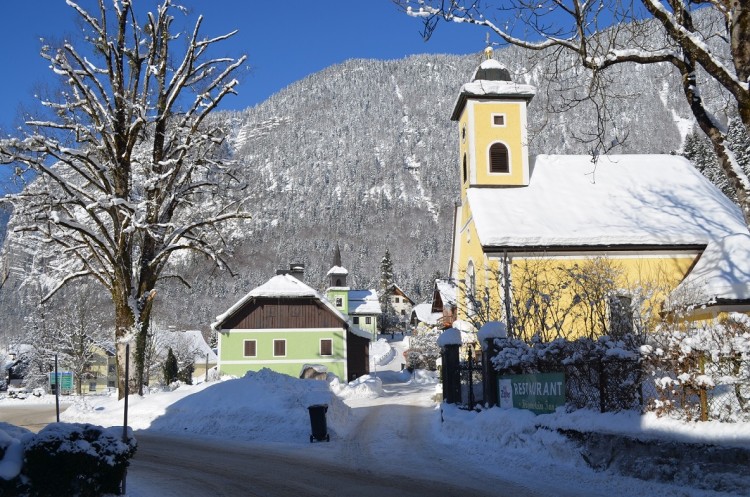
{"x": 361, "y": 306}
{"x": 285, "y": 325}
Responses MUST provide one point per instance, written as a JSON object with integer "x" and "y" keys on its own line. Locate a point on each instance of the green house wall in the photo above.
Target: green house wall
{"x": 371, "y": 328}
{"x": 343, "y": 293}
{"x": 302, "y": 347}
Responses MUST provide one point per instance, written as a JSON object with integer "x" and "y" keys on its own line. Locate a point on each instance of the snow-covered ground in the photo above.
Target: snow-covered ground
{"x": 381, "y": 419}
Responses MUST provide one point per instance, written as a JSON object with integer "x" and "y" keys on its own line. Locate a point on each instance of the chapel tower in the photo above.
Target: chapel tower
{"x": 491, "y": 115}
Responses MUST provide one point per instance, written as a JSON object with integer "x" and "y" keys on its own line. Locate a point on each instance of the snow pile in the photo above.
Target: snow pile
{"x": 491, "y": 329}
{"x": 451, "y": 336}
{"x": 510, "y": 430}
{"x": 364, "y": 387}
{"x": 262, "y": 405}
{"x": 381, "y": 352}
{"x": 423, "y": 377}
{"x": 11, "y": 449}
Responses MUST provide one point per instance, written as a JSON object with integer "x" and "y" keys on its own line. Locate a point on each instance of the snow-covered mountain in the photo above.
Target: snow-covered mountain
{"x": 364, "y": 154}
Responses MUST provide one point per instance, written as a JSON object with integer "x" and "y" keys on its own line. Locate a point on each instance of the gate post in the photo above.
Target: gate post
{"x": 489, "y": 377}
{"x": 451, "y": 374}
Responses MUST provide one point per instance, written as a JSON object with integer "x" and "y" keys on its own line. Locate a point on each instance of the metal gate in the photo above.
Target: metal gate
{"x": 472, "y": 377}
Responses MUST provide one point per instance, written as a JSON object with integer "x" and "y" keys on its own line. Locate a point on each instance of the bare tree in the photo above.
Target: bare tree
{"x": 78, "y": 331}
{"x": 546, "y": 299}
{"x": 612, "y": 32}
{"x": 128, "y": 168}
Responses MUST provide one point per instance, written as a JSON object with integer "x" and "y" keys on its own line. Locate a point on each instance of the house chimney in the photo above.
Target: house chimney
{"x": 298, "y": 271}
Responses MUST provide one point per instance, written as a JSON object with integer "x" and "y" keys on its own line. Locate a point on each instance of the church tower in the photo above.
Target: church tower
{"x": 491, "y": 115}
{"x": 338, "y": 290}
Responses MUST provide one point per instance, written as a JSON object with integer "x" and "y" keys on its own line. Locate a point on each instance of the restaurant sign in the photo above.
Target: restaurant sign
{"x": 540, "y": 392}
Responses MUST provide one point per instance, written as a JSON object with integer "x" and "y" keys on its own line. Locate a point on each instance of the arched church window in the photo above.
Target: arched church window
{"x": 499, "y": 162}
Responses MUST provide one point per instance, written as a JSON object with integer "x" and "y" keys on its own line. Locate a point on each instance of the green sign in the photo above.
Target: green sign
{"x": 540, "y": 393}
{"x": 66, "y": 381}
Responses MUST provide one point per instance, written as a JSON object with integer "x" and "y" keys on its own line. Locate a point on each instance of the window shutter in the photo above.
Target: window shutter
{"x": 499, "y": 158}
{"x": 249, "y": 348}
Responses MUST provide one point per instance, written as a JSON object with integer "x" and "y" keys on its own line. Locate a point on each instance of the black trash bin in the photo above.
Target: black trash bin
{"x": 318, "y": 423}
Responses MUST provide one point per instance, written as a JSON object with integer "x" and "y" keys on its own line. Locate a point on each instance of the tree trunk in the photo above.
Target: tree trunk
{"x": 124, "y": 326}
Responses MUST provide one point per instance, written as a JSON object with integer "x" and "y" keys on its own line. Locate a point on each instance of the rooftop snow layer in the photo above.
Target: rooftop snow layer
{"x": 364, "y": 302}
{"x": 447, "y": 290}
{"x": 337, "y": 270}
{"x": 625, "y": 199}
{"x": 280, "y": 286}
{"x": 721, "y": 273}
{"x": 425, "y": 315}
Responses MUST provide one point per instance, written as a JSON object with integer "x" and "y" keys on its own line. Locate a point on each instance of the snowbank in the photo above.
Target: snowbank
{"x": 381, "y": 352}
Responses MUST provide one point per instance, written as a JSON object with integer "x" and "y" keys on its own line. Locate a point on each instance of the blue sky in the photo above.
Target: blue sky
{"x": 284, "y": 41}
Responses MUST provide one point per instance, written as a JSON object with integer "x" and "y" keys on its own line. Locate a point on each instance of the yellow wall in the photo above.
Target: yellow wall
{"x": 480, "y": 134}
{"x": 652, "y": 275}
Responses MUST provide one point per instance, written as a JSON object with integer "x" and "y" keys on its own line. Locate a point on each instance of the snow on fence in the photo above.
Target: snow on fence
{"x": 611, "y": 375}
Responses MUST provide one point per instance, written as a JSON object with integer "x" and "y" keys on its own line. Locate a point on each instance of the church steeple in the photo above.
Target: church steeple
{"x": 337, "y": 274}
{"x": 491, "y": 115}
{"x": 337, "y": 255}
{"x": 338, "y": 290}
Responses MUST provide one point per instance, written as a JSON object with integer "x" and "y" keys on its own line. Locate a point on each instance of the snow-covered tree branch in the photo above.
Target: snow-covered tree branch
{"x": 128, "y": 169}
{"x": 705, "y": 41}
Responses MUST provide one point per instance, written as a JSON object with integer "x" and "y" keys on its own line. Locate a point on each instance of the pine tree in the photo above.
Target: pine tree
{"x": 186, "y": 374}
{"x": 386, "y": 272}
{"x": 170, "y": 367}
{"x": 697, "y": 149}
{"x": 388, "y": 319}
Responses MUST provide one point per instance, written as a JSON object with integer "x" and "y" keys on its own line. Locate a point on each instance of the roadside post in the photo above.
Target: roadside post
{"x": 125, "y": 419}
{"x": 57, "y": 392}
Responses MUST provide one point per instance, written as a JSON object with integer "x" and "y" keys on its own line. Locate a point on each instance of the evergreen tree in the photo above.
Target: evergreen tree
{"x": 170, "y": 367}
{"x": 386, "y": 272}
{"x": 186, "y": 374}
{"x": 388, "y": 319}
{"x": 697, "y": 149}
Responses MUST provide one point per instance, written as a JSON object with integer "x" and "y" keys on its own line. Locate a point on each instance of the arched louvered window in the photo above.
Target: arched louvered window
{"x": 499, "y": 161}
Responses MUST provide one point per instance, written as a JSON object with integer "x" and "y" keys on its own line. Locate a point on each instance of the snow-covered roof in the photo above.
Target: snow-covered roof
{"x": 337, "y": 270}
{"x": 364, "y": 302}
{"x": 280, "y": 286}
{"x": 491, "y": 70}
{"x": 190, "y": 340}
{"x": 721, "y": 274}
{"x": 447, "y": 290}
{"x": 425, "y": 315}
{"x": 497, "y": 86}
{"x": 642, "y": 200}
{"x": 400, "y": 291}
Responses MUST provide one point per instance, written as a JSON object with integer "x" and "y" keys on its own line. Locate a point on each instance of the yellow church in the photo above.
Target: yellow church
{"x": 567, "y": 245}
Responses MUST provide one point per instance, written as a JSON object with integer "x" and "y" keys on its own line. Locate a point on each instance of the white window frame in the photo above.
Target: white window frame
{"x": 274, "y": 347}
{"x": 339, "y": 301}
{"x": 368, "y": 320}
{"x": 489, "y": 158}
{"x": 499, "y": 114}
{"x": 320, "y": 348}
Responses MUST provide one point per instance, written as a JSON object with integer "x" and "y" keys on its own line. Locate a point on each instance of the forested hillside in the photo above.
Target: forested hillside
{"x": 363, "y": 154}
